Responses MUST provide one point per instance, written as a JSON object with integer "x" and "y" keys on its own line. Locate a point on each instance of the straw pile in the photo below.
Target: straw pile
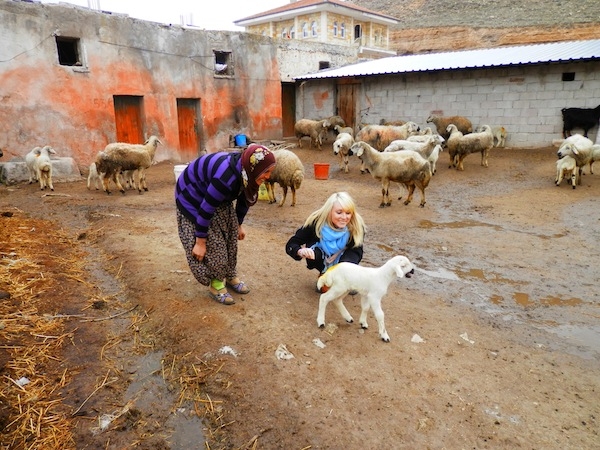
{"x": 37, "y": 262}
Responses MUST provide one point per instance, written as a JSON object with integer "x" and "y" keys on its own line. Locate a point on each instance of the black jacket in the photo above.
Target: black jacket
{"x": 307, "y": 236}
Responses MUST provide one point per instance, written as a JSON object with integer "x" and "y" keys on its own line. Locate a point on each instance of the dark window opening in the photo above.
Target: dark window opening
{"x": 357, "y": 32}
{"x": 568, "y": 76}
{"x": 68, "y": 51}
{"x": 223, "y": 63}
{"x": 324, "y": 65}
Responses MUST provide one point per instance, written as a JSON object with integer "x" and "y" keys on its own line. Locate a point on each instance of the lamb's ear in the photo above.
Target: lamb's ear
{"x": 574, "y": 150}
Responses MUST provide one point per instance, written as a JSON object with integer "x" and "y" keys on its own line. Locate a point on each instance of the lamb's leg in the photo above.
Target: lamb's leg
{"x": 270, "y": 192}
{"x": 324, "y": 299}
{"x": 364, "y": 311}
{"x": 422, "y": 190}
{"x": 378, "y": 313}
{"x": 49, "y": 179}
{"x": 285, "y": 189}
{"x": 339, "y": 302}
{"x": 385, "y": 194}
{"x": 460, "y": 162}
{"x": 293, "y": 195}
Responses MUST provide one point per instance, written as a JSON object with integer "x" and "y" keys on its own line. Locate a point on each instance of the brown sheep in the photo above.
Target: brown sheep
{"x": 463, "y": 124}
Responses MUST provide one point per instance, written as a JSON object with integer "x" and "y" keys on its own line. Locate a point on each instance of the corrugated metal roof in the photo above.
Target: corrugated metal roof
{"x": 468, "y": 59}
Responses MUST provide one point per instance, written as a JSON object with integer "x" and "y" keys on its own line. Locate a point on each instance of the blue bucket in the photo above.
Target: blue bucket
{"x": 240, "y": 140}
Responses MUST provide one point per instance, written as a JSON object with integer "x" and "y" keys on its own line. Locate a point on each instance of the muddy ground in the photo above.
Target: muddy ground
{"x": 495, "y": 342}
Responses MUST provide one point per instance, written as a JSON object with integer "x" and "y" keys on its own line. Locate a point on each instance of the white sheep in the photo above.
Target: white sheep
{"x": 429, "y": 148}
{"x": 39, "y": 164}
{"x": 459, "y": 145}
{"x": 566, "y": 167}
{"x": 288, "y": 172}
{"x": 338, "y": 129}
{"x": 595, "y": 156}
{"x": 370, "y": 282}
{"x": 93, "y": 176}
{"x": 120, "y": 156}
{"x": 441, "y": 123}
{"x": 580, "y": 148}
{"x": 406, "y": 167}
{"x": 341, "y": 146}
{"x": 314, "y": 129}
{"x": 500, "y": 135}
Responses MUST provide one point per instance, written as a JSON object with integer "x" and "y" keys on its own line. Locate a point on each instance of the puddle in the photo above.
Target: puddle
{"x": 439, "y": 273}
{"x": 428, "y": 224}
{"x": 523, "y": 299}
{"x": 584, "y": 340}
{"x": 150, "y": 393}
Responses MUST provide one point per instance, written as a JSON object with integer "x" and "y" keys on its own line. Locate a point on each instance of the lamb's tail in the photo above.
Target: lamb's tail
{"x": 326, "y": 279}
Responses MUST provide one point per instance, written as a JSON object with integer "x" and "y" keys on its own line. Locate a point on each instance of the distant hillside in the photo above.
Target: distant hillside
{"x": 441, "y": 25}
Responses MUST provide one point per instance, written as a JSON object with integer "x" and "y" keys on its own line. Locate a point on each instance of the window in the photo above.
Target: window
{"x": 335, "y": 29}
{"x": 324, "y": 65}
{"x": 223, "y": 63}
{"x": 313, "y": 29}
{"x": 343, "y": 31}
{"x": 304, "y": 30}
{"x": 284, "y": 34}
{"x": 68, "y": 51}
{"x": 357, "y": 32}
{"x": 568, "y": 76}
{"x": 292, "y": 33}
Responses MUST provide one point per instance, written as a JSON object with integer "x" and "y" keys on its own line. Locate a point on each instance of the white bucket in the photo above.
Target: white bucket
{"x": 178, "y": 169}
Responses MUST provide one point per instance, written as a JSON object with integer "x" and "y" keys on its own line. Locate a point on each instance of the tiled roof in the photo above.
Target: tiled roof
{"x": 469, "y": 59}
{"x": 296, "y": 8}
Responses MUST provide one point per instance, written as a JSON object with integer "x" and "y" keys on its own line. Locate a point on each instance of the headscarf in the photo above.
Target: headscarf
{"x": 256, "y": 160}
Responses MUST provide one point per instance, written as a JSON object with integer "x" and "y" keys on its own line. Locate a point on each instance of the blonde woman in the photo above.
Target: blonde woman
{"x": 333, "y": 233}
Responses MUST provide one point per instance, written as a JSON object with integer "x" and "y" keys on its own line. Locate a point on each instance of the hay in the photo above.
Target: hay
{"x": 30, "y": 403}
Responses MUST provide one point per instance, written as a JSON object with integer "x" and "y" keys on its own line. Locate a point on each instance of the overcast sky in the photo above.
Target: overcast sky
{"x": 209, "y": 14}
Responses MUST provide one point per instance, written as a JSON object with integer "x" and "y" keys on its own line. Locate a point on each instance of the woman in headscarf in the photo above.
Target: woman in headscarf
{"x": 209, "y": 224}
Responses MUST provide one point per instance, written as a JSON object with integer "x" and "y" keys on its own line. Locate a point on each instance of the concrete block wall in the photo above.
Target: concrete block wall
{"x": 526, "y": 100}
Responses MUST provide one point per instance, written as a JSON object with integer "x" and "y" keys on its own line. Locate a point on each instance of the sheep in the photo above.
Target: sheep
{"x": 314, "y": 129}
{"x": 341, "y": 146}
{"x": 371, "y": 282}
{"x": 120, "y": 156}
{"x": 584, "y": 118}
{"x": 459, "y": 145}
{"x": 580, "y": 148}
{"x": 396, "y": 123}
{"x": 595, "y": 156}
{"x": 566, "y": 167}
{"x": 429, "y": 149}
{"x": 94, "y": 177}
{"x": 288, "y": 172}
{"x": 348, "y": 130}
{"x": 380, "y": 136}
{"x": 406, "y": 167}
{"x": 500, "y": 135}
{"x": 39, "y": 164}
{"x": 463, "y": 124}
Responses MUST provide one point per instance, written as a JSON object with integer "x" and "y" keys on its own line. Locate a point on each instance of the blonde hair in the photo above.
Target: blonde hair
{"x": 322, "y": 216}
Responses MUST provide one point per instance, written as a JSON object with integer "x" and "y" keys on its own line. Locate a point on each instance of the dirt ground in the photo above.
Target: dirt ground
{"x": 495, "y": 341}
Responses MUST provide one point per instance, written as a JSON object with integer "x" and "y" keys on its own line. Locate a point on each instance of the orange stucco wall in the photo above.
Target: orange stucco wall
{"x": 71, "y": 107}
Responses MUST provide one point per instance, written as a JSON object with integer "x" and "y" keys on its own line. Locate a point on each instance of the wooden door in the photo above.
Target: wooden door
{"x": 188, "y": 113}
{"x": 128, "y": 118}
{"x": 347, "y": 96}
{"x": 288, "y": 108}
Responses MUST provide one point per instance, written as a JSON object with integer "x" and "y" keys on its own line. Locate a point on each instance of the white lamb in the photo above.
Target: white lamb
{"x": 407, "y": 167}
{"x": 429, "y": 148}
{"x": 341, "y": 147}
{"x": 370, "y": 282}
{"x": 595, "y": 155}
{"x": 288, "y": 172}
{"x": 39, "y": 164}
{"x": 566, "y": 167}
{"x": 120, "y": 156}
{"x": 580, "y": 148}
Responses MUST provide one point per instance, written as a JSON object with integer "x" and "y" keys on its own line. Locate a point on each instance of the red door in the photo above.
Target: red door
{"x": 188, "y": 112}
{"x": 128, "y": 118}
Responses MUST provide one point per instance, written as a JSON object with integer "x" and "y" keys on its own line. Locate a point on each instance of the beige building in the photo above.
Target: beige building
{"x": 335, "y": 22}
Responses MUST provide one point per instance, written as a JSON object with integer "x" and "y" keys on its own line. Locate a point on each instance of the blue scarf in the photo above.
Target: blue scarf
{"x": 332, "y": 242}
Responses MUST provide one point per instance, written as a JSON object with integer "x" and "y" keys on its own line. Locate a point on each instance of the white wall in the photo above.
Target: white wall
{"x": 526, "y": 100}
